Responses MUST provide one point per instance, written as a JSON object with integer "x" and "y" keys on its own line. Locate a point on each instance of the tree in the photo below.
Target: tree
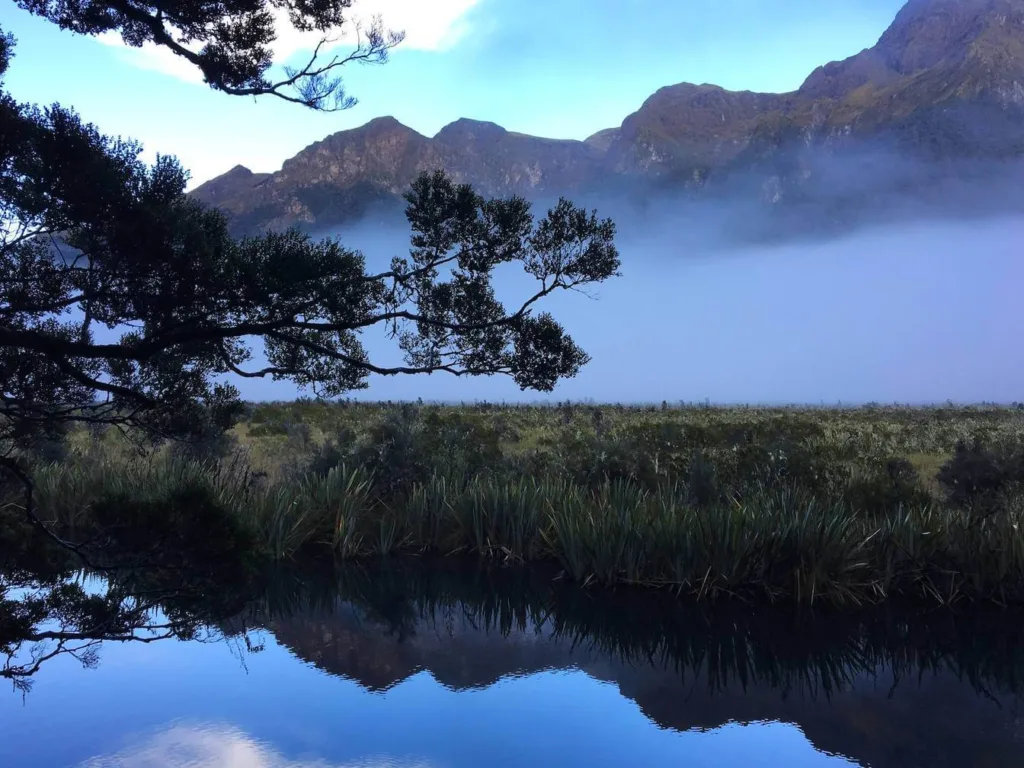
{"x": 229, "y": 41}
{"x": 125, "y": 302}
{"x": 177, "y": 568}
{"x": 94, "y": 240}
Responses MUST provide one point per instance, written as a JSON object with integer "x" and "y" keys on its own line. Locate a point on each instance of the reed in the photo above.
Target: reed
{"x": 699, "y": 501}
{"x": 781, "y": 543}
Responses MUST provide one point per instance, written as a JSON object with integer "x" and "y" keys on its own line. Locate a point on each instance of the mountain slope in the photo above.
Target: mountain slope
{"x": 349, "y": 172}
{"x": 943, "y": 87}
{"x": 946, "y": 78}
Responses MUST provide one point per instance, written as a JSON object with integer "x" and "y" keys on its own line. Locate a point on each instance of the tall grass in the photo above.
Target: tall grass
{"x": 779, "y": 542}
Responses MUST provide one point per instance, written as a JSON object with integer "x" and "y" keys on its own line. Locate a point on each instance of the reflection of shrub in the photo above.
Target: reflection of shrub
{"x": 979, "y": 477}
{"x": 22, "y": 549}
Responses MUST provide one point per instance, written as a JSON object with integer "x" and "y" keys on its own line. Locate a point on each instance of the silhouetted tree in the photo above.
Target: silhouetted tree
{"x": 122, "y": 301}
{"x": 229, "y": 41}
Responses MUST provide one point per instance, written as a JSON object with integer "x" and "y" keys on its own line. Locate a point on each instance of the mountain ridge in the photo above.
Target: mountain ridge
{"x": 944, "y": 82}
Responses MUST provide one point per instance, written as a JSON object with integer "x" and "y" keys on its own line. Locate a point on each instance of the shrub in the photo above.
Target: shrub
{"x": 393, "y": 453}
{"x": 334, "y": 452}
{"x": 886, "y": 486}
{"x": 212, "y": 445}
{"x": 979, "y": 477}
{"x": 186, "y": 528}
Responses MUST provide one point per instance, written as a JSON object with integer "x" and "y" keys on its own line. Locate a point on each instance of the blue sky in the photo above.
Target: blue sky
{"x": 558, "y": 68}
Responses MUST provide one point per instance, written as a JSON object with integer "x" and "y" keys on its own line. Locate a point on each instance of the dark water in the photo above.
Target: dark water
{"x": 413, "y": 667}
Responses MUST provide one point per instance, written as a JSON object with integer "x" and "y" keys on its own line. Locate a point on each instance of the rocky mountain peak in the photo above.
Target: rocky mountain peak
{"x": 239, "y": 171}
{"x": 944, "y": 82}
{"x": 377, "y": 130}
{"x": 928, "y": 32}
{"x": 383, "y": 142}
{"x": 383, "y": 124}
{"x": 228, "y": 185}
{"x": 687, "y": 124}
{"x": 602, "y": 140}
{"x": 924, "y": 35}
{"x": 465, "y": 129}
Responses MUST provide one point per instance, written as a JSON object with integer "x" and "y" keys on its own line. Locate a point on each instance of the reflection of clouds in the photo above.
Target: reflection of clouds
{"x": 222, "y": 746}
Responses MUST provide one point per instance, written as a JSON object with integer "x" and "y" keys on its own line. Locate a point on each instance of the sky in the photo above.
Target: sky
{"x": 914, "y": 314}
{"x": 555, "y": 68}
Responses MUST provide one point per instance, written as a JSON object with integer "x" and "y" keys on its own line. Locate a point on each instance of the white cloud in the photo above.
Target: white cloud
{"x": 430, "y": 26}
{"x": 153, "y": 57}
{"x": 223, "y": 746}
{"x": 433, "y": 26}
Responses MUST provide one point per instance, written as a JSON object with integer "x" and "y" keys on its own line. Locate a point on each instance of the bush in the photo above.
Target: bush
{"x": 887, "y": 486}
{"x": 212, "y": 445}
{"x": 410, "y": 445}
{"x": 979, "y": 477}
{"x": 393, "y": 453}
{"x": 187, "y": 528}
{"x": 334, "y": 452}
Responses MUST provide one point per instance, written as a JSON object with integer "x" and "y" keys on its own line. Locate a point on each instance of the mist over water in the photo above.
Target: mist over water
{"x": 912, "y": 313}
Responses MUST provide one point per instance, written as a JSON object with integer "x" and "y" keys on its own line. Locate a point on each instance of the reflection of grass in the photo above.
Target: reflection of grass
{"x": 731, "y": 644}
{"x": 811, "y": 504}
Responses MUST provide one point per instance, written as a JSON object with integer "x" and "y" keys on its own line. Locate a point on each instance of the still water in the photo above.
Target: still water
{"x": 404, "y": 668}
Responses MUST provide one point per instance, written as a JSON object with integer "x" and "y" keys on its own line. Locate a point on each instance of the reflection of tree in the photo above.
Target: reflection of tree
{"x": 158, "y": 573}
{"x": 379, "y": 624}
{"x": 86, "y": 653}
{"x": 47, "y": 618}
{"x": 867, "y": 684}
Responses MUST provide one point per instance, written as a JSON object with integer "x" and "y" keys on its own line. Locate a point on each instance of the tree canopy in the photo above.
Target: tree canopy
{"x": 230, "y": 41}
{"x": 123, "y": 300}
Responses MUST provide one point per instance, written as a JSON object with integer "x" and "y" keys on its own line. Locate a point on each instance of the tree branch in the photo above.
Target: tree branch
{"x": 376, "y": 50}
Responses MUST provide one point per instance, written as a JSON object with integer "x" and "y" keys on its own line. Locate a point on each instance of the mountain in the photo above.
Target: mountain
{"x": 939, "y": 100}
{"x": 346, "y": 174}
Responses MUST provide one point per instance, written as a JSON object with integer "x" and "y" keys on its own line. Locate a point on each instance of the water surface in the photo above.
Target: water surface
{"x": 411, "y": 668}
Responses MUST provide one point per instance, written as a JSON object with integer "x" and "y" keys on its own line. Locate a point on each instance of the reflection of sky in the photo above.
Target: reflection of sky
{"x": 189, "y": 704}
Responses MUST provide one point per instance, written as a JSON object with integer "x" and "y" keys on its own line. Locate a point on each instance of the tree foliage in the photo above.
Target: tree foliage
{"x": 123, "y": 300}
{"x": 230, "y": 41}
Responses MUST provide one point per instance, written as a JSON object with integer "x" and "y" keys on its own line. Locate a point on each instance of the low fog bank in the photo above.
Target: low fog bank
{"x": 802, "y": 194}
{"x": 918, "y": 313}
{"x": 815, "y": 193}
